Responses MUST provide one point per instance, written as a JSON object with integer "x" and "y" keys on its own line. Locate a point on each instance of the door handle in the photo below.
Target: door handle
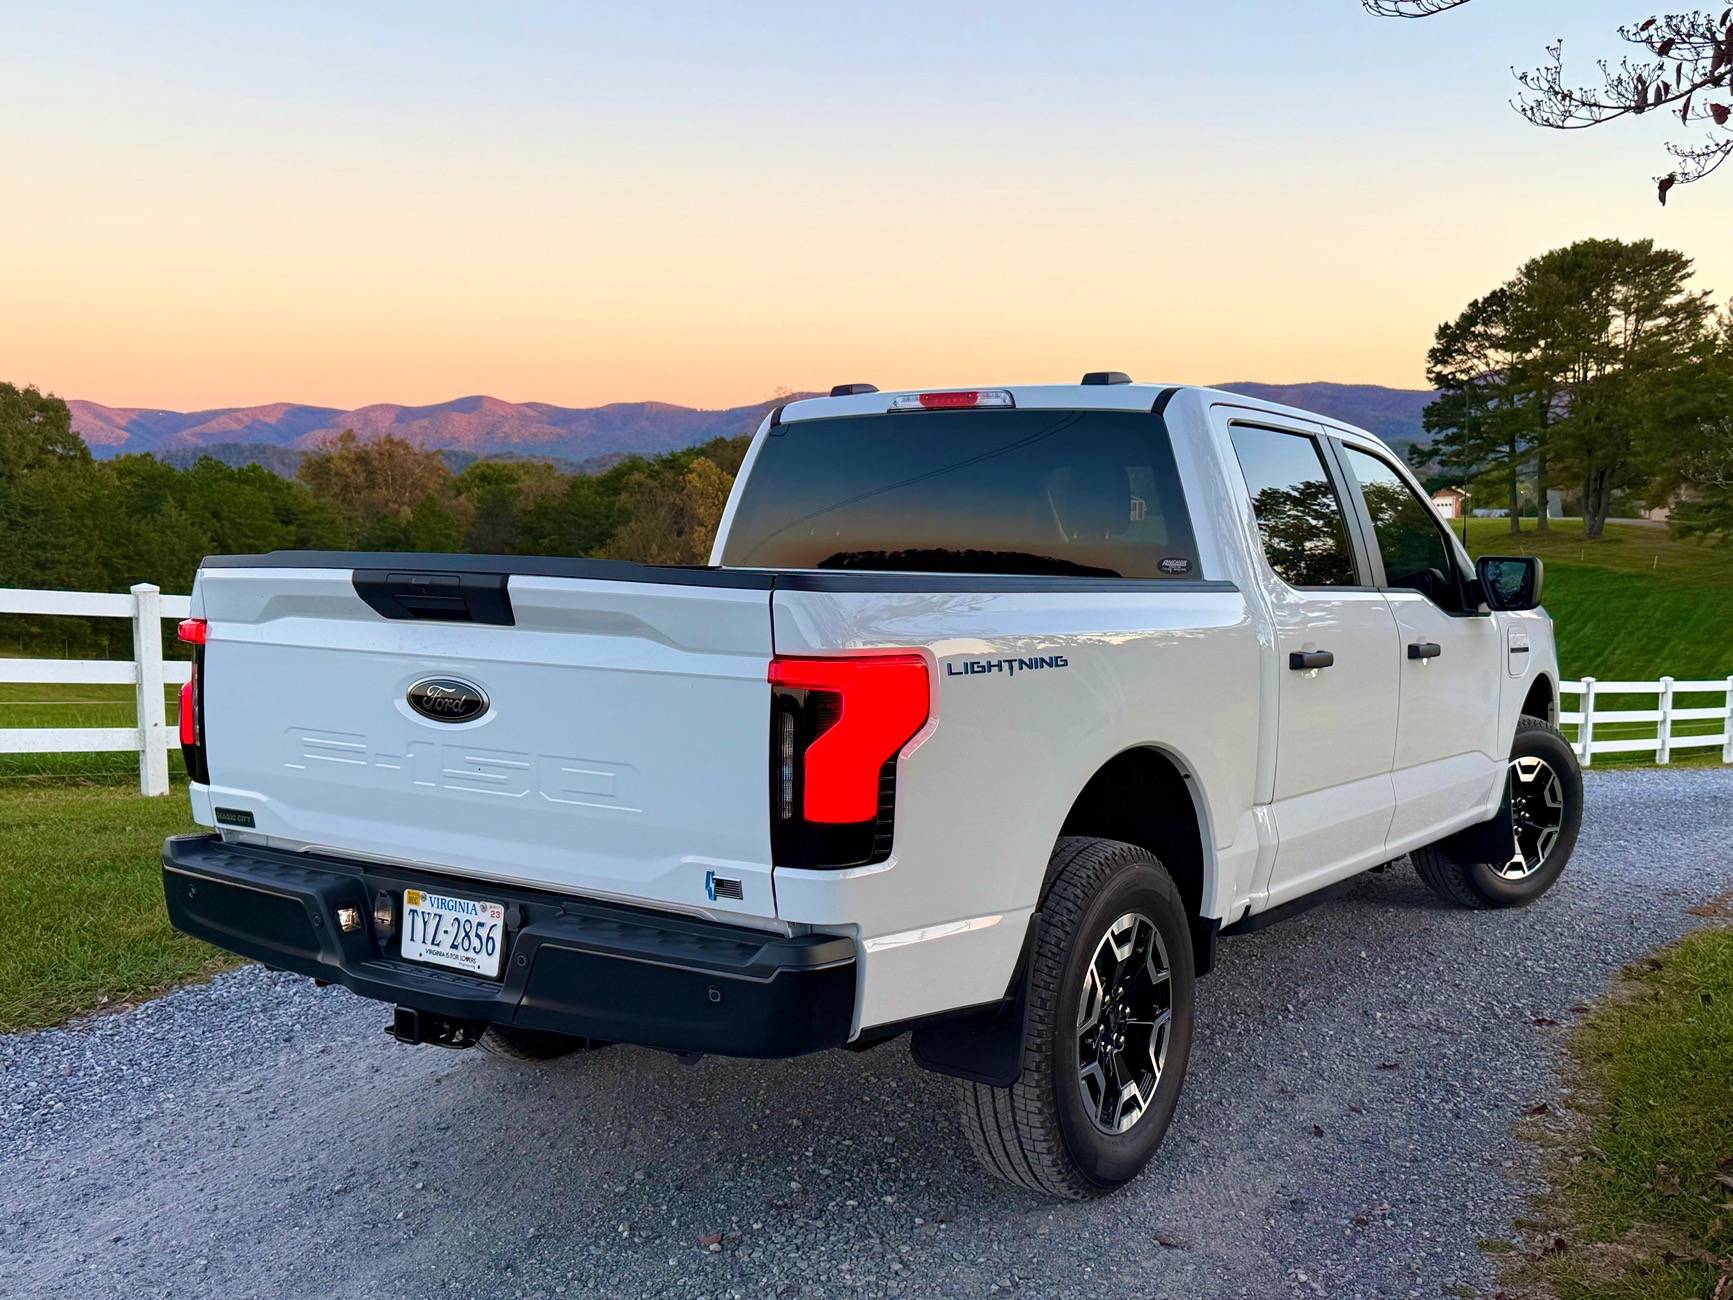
{"x": 1303, "y": 660}
{"x": 1424, "y": 649}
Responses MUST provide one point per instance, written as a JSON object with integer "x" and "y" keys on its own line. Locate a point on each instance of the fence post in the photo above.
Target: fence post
{"x": 1664, "y": 729}
{"x": 147, "y": 659}
{"x": 1586, "y": 728}
{"x": 1727, "y": 727}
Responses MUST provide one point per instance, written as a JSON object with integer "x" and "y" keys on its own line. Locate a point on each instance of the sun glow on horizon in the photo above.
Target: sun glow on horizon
{"x": 228, "y": 209}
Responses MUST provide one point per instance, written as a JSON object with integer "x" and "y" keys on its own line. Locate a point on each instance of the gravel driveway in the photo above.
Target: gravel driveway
{"x": 1345, "y": 1131}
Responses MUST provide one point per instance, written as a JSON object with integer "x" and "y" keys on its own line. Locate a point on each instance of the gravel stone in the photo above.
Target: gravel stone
{"x": 1346, "y": 1130}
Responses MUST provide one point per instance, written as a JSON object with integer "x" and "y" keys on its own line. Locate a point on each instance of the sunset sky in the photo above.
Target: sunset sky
{"x": 355, "y": 203}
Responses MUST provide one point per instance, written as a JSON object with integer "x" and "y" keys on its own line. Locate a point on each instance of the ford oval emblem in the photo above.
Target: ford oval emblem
{"x": 446, "y": 699}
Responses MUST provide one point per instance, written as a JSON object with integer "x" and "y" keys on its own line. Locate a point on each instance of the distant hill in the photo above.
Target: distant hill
{"x": 484, "y": 426}
{"x": 275, "y": 435}
{"x": 1391, "y": 413}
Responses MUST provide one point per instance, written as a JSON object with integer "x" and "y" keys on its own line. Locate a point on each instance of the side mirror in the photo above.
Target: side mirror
{"x": 1509, "y": 582}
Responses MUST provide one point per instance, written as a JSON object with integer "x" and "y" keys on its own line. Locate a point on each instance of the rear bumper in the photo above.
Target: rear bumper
{"x": 572, "y": 966}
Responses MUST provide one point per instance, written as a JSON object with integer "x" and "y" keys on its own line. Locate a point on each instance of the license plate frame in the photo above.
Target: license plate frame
{"x": 453, "y": 932}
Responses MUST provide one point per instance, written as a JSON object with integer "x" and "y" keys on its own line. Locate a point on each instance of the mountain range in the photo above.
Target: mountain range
{"x": 274, "y": 435}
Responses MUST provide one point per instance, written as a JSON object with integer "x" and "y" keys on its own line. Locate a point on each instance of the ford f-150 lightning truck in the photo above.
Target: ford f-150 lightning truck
{"x": 994, "y": 709}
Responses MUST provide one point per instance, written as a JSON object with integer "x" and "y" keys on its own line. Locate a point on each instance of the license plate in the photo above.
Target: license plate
{"x": 461, "y": 933}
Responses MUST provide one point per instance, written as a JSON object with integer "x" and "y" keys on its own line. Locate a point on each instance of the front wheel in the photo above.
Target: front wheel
{"x": 1109, "y": 1029}
{"x": 1546, "y": 811}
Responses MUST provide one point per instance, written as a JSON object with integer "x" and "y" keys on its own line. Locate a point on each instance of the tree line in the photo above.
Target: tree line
{"x": 71, "y": 522}
{"x": 1595, "y": 369}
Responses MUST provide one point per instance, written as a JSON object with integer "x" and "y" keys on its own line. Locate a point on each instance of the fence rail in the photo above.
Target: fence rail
{"x": 1664, "y": 718}
{"x": 147, "y": 672}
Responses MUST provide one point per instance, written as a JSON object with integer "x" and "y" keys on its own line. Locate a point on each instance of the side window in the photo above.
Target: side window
{"x": 1304, "y": 529}
{"x": 1409, "y": 535}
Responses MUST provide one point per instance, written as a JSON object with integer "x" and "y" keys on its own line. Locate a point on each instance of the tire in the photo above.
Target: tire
{"x": 1044, "y": 1131}
{"x": 533, "y": 1044}
{"x": 1521, "y": 880}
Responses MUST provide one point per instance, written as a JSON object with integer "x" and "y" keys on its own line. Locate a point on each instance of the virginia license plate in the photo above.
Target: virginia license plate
{"x": 461, "y": 933}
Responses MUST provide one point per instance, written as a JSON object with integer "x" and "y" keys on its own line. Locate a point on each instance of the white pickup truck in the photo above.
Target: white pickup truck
{"x": 992, "y": 711}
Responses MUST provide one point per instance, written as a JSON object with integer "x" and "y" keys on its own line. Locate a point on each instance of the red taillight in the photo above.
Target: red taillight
{"x": 195, "y": 632}
{"x": 946, "y": 401}
{"x": 881, "y": 701}
{"x": 190, "y": 709}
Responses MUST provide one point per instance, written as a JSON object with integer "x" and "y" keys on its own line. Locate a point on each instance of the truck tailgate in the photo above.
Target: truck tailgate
{"x": 622, "y": 749}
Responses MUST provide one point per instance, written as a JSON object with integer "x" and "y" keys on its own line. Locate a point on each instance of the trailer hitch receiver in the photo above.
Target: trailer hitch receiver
{"x": 409, "y": 1025}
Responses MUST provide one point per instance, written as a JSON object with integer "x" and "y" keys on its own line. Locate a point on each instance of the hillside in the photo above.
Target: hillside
{"x": 483, "y": 426}
{"x": 490, "y": 427}
{"x": 1391, "y": 413}
{"x": 1633, "y": 605}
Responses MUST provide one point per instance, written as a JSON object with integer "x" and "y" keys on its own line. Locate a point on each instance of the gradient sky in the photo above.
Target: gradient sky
{"x": 206, "y": 205}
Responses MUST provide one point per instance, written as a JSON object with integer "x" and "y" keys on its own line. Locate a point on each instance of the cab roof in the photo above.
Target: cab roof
{"x": 1098, "y": 396}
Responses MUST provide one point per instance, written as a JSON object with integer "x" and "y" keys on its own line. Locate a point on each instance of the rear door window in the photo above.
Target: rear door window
{"x": 1082, "y": 493}
{"x": 1300, "y": 517}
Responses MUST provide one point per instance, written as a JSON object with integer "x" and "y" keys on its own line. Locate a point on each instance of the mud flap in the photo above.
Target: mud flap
{"x": 1492, "y": 841}
{"x": 982, "y": 1044}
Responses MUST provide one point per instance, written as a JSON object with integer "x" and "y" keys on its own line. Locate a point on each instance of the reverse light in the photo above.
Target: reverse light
{"x": 785, "y": 765}
{"x": 384, "y": 916}
{"x": 960, "y": 400}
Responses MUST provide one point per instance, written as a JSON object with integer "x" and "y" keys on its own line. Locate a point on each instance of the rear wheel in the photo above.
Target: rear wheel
{"x": 1109, "y": 1032}
{"x": 1546, "y": 807}
{"x": 533, "y": 1044}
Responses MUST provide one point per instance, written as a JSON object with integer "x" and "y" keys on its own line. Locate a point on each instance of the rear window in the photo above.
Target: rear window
{"x": 1085, "y": 493}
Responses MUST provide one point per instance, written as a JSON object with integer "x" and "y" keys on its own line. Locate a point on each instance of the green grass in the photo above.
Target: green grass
{"x": 1630, "y": 606}
{"x": 1643, "y": 1193}
{"x": 80, "y": 880}
{"x": 60, "y": 705}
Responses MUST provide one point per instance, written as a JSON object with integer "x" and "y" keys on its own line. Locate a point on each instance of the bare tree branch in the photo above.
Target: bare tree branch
{"x": 1409, "y": 8}
{"x": 1681, "y": 63}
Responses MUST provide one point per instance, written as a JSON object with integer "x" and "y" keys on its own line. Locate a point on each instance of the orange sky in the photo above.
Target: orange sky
{"x": 705, "y": 204}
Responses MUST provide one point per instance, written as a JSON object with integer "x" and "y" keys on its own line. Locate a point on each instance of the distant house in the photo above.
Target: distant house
{"x": 1449, "y": 502}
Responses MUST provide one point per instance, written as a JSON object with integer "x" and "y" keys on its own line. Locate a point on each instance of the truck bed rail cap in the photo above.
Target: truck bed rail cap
{"x": 528, "y": 566}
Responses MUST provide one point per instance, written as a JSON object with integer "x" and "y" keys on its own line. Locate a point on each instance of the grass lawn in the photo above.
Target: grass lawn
{"x": 53, "y": 704}
{"x": 1633, "y": 605}
{"x": 1643, "y": 1199}
{"x": 79, "y": 870}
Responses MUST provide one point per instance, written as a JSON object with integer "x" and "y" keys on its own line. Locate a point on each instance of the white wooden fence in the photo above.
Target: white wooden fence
{"x": 146, "y": 672}
{"x": 1664, "y": 717}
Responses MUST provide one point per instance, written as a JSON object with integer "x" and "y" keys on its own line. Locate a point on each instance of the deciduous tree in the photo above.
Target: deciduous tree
{"x": 1680, "y": 64}
{"x": 1614, "y": 326}
{"x": 1483, "y": 417}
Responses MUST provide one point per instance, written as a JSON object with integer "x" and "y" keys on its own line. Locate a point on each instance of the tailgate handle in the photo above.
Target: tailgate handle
{"x": 445, "y": 597}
